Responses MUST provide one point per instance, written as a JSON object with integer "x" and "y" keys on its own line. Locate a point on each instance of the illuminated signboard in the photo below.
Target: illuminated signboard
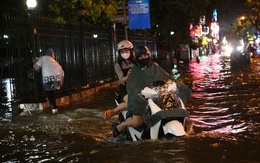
{"x": 215, "y": 15}
{"x": 197, "y": 30}
{"x": 139, "y": 14}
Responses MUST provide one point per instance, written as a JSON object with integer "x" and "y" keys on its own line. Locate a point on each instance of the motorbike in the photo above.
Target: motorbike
{"x": 239, "y": 55}
{"x": 165, "y": 113}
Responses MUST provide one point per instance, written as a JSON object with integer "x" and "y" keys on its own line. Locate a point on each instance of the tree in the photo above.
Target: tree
{"x": 96, "y": 11}
{"x": 166, "y": 16}
{"x": 238, "y": 18}
{"x": 175, "y": 16}
{"x": 254, "y": 13}
{"x": 13, "y": 7}
{"x": 229, "y": 13}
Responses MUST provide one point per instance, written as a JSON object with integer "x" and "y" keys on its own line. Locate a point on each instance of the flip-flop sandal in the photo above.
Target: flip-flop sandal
{"x": 116, "y": 133}
{"x": 108, "y": 114}
{"x": 115, "y": 130}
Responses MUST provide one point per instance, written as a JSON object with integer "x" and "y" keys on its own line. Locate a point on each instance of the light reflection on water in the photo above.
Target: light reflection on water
{"x": 224, "y": 124}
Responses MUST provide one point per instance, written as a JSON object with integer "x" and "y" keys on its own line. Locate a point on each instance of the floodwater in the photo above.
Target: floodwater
{"x": 224, "y": 124}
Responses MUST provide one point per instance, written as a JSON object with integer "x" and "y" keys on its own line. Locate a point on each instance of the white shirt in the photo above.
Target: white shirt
{"x": 50, "y": 67}
{"x": 52, "y": 73}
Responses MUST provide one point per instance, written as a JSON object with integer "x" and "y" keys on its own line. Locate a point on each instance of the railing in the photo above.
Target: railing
{"x": 85, "y": 59}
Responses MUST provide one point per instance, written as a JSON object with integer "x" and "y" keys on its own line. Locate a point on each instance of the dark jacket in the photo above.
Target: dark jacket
{"x": 139, "y": 79}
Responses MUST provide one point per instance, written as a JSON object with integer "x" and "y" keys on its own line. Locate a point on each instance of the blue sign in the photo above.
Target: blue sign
{"x": 215, "y": 15}
{"x": 139, "y": 14}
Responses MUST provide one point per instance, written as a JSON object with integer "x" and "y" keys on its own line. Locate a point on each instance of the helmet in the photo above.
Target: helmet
{"x": 141, "y": 50}
{"x": 125, "y": 44}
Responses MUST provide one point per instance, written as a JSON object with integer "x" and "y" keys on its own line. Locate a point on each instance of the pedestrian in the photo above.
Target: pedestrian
{"x": 52, "y": 76}
{"x": 125, "y": 61}
{"x": 143, "y": 74}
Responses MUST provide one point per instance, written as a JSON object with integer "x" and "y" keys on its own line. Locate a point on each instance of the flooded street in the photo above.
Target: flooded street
{"x": 224, "y": 113}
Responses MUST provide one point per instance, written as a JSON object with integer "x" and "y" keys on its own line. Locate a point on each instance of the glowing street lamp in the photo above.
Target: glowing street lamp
{"x": 31, "y": 4}
{"x": 242, "y": 18}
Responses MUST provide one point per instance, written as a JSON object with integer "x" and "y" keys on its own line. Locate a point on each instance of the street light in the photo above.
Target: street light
{"x": 241, "y": 20}
{"x": 31, "y": 4}
{"x": 81, "y": 16}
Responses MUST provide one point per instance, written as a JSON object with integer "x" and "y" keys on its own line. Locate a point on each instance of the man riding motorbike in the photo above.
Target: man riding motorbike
{"x": 142, "y": 74}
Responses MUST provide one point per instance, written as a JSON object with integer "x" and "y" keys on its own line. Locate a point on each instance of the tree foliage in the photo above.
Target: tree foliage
{"x": 175, "y": 16}
{"x": 96, "y": 11}
{"x": 166, "y": 15}
{"x": 240, "y": 18}
{"x": 13, "y": 7}
{"x": 254, "y": 13}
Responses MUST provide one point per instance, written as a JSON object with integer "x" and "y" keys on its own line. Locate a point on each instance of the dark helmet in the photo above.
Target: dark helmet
{"x": 141, "y": 50}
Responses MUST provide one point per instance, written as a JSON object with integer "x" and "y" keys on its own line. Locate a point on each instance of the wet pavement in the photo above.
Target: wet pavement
{"x": 224, "y": 124}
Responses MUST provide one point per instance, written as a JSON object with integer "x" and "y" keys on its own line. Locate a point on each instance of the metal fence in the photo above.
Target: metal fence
{"x": 86, "y": 55}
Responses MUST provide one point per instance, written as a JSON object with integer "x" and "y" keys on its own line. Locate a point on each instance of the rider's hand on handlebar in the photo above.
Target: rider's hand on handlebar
{"x": 172, "y": 87}
{"x": 149, "y": 93}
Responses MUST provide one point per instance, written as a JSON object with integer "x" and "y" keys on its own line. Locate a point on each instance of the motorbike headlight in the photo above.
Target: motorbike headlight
{"x": 229, "y": 49}
{"x": 239, "y": 48}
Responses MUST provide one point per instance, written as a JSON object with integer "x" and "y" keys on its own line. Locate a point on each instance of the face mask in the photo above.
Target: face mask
{"x": 144, "y": 62}
{"x": 125, "y": 55}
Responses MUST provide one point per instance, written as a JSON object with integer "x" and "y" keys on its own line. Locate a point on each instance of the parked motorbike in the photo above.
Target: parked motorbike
{"x": 166, "y": 113}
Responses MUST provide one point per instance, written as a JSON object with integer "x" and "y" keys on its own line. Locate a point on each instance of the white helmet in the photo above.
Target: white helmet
{"x": 125, "y": 44}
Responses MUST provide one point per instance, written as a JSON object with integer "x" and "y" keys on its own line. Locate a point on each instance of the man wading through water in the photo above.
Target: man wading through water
{"x": 52, "y": 76}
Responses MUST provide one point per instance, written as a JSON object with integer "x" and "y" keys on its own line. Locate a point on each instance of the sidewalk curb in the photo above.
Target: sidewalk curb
{"x": 68, "y": 99}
